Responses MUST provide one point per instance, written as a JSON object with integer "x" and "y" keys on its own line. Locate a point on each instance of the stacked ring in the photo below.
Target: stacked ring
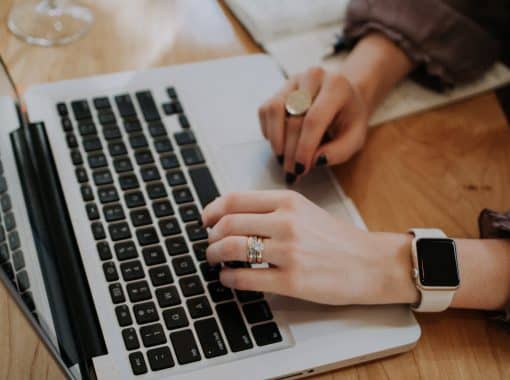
{"x": 255, "y": 250}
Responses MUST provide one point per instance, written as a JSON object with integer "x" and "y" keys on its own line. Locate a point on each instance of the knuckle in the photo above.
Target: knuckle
{"x": 225, "y": 225}
{"x": 230, "y": 200}
{"x": 291, "y": 199}
{"x": 274, "y": 108}
{"x": 315, "y": 72}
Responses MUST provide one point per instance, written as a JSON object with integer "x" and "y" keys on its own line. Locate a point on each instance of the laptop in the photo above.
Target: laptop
{"x": 102, "y": 183}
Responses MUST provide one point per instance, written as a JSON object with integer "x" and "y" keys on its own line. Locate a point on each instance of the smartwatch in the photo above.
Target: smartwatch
{"x": 435, "y": 269}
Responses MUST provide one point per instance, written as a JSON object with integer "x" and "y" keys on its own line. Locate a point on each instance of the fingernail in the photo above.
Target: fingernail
{"x": 280, "y": 159}
{"x": 290, "y": 178}
{"x": 322, "y": 160}
{"x": 299, "y": 168}
{"x": 227, "y": 278}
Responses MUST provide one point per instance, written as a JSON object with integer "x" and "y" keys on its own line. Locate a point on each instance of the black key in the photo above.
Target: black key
{"x": 134, "y": 199}
{"x": 76, "y": 158}
{"x": 169, "y": 226}
{"x": 102, "y": 177}
{"x": 160, "y": 358}
{"x": 171, "y": 92}
{"x": 191, "y": 286}
{"x": 267, "y": 333}
{"x": 257, "y": 312}
{"x": 150, "y": 173}
{"x": 152, "y": 335}
{"x": 123, "y": 316}
{"x": 157, "y": 129}
{"x": 101, "y": 103}
{"x": 144, "y": 157}
{"x": 6, "y": 203}
{"x": 147, "y": 236}
{"x": 210, "y": 338}
{"x": 199, "y": 307}
{"x": 210, "y": 272}
{"x": 97, "y": 161}
{"x": 176, "y": 246}
{"x": 156, "y": 190}
{"x": 92, "y": 211}
{"x": 204, "y": 185}
{"x": 169, "y": 108}
{"x": 132, "y": 270}
{"x": 4, "y": 253}
{"x": 62, "y": 109}
{"x": 138, "y": 141}
{"x": 132, "y": 126}
{"x": 160, "y": 275}
{"x": 117, "y": 148}
{"x": 153, "y": 255}
{"x": 137, "y": 363}
{"x": 162, "y": 208}
{"x": 110, "y": 272}
{"x": 233, "y": 325}
{"x": 182, "y": 195}
{"x": 140, "y": 217}
{"x": 113, "y": 212}
{"x": 71, "y": 140}
{"x": 122, "y": 165}
{"x": 125, "y": 105}
{"x": 163, "y": 145}
{"x": 175, "y": 318}
{"x": 192, "y": 155}
{"x": 185, "y": 347}
{"x": 184, "y": 138}
{"x": 130, "y": 339}
{"x": 111, "y": 132}
{"x": 189, "y": 213}
{"x": 18, "y": 261}
{"x": 87, "y": 128}
{"x": 183, "y": 265}
{"x": 196, "y": 232}
{"x": 3, "y": 182}
{"x": 107, "y": 117}
{"x": 9, "y": 271}
{"x": 170, "y": 161}
{"x": 108, "y": 194}
{"x": 248, "y": 295}
{"x": 81, "y": 175}
{"x": 91, "y": 144}
{"x": 199, "y": 249}
{"x": 86, "y": 193}
{"x": 104, "y": 250}
{"x": 138, "y": 291}
{"x": 128, "y": 182}
{"x": 148, "y": 106}
{"x": 125, "y": 250}
{"x": 119, "y": 231}
{"x": 183, "y": 120}
{"x": 81, "y": 109}
{"x": 219, "y": 293}
{"x": 98, "y": 231}
{"x": 2, "y": 234}
{"x": 67, "y": 125}
{"x": 23, "y": 282}
{"x": 117, "y": 293}
{"x": 168, "y": 296}
{"x": 145, "y": 313}
{"x": 175, "y": 178}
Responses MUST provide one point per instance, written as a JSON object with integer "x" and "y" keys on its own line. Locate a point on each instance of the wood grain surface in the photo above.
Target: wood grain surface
{"x": 438, "y": 168}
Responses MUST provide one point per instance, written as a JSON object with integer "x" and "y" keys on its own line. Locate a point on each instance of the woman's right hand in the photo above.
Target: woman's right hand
{"x": 338, "y": 111}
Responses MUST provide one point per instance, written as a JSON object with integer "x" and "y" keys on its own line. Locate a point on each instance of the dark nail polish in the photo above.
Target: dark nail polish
{"x": 299, "y": 168}
{"x": 322, "y": 160}
{"x": 280, "y": 159}
{"x": 290, "y": 178}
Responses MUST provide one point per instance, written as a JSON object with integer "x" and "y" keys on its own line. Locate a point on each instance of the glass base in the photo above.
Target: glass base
{"x": 49, "y": 23}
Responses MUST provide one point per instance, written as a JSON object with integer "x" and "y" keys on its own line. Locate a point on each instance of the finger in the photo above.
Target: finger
{"x": 235, "y": 248}
{"x": 243, "y": 225}
{"x": 262, "y": 280}
{"x": 291, "y": 139}
{"x": 257, "y": 202}
{"x": 262, "y": 120}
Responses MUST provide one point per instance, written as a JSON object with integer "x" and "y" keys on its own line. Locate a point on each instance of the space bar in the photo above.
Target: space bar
{"x": 204, "y": 184}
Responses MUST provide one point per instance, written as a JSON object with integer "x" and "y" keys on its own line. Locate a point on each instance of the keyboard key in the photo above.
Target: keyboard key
{"x": 182, "y": 195}
{"x": 175, "y": 318}
{"x": 122, "y": 165}
{"x": 200, "y": 249}
{"x": 119, "y": 231}
{"x": 104, "y": 251}
{"x": 153, "y": 255}
{"x": 145, "y": 313}
{"x": 210, "y": 272}
{"x": 156, "y": 190}
{"x": 248, "y": 295}
{"x": 196, "y": 232}
{"x": 257, "y": 312}
{"x": 219, "y": 293}
{"x": 92, "y": 211}
{"x": 76, "y": 158}
{"x": 110, "y": 272}
{"x": 6, "y": 203}
{"x": 86, "y": 193}
{"x": 168, "y": 296}
{"x": 101, "y": 103}
{"x": 157, "y": 129}
{"x": 67, "y": 125}
{"x": 185, "y": 347}
{"x": 107, "y": 117}
{"x": 91, "y": 144}
{"x": 148, "y": 106}
{"x": 117, "y": 148}
{"x": 114, "y": 212}
{"x": 160, "y": 275}
{"x": 199, "y": 307}
{"x": 87, "y": 128}
{"x": 4, "y": 253}
{"x": 183, "y": 120}
{"x": 125, "y": 105}
{"x": 128, "y": 182}
{"x": 267, "y": 333}
{"x": 162, "y": 209}
{"x": 81, "y": 109}
{"x": 81, "y": 175}
{"x": 138, "y": 291}
{"x": 169, "y": 108}
{"x": 233, "y": 325}
{"x": 108, "y": 194}
{"x": 97, "y": 161}
{"x": 18, "y": 261}
{"x": 9, "y": 271}
{"x": 2, "y": 234}
{"x": 175, "y": 178}
{"x": 117, "y": 293}
{"x": 71, "y": 140}
{"x": 163, "y": 145}
{"x": 111, "y": 132}
{"x": 102, "y": 177}
{"x": 98, "y": 231}
{"x": 191, "y": 286}
{"x": 150, "y": 173}
{"x": 189, "y": 213}
{"x": 132, "y": 126}
{"x": 138, "y": 365}
{"x": 183, "y": 265}
{"x": 204, "y": 185}
{"x": 169, "y": 161}
{"x": 160, "y": 358}
{"x": 169, "y": 226}
{"x": 140, "y": 217}
{"x": 134, "y": 199}
{"x": 130, "y": 339}
{"x": 123, "y": 316}
{"x": 171, "y": 92}
{"x": 184, "y": 138}
{"x": 176, "y": 246}
{"x": 144, "y": 157}
{"x": 126, "y": 251}
{"x": 62, "y": 109}
{"x": 152, "y": 335}
{"x": 23, "y": 282}
{"x": 210, "y": 339}
{"x": 147, "y": 236}
{"x": 132, "y": 270}
{"x": 138, "y": 141}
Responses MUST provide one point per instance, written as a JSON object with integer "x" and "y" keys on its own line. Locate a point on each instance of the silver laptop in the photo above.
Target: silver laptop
{"x": 102, "y": 184}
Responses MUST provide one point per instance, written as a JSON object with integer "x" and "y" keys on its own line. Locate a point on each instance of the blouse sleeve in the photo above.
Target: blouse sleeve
{"x": 446, "y": 46}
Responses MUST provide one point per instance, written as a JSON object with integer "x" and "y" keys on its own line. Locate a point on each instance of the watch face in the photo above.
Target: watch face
{"x": 437, "y": 262}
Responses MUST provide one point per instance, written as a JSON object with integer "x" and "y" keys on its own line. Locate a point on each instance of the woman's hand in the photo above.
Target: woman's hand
{"x": 313, "y": 256}
{"x": 338, "y": 111}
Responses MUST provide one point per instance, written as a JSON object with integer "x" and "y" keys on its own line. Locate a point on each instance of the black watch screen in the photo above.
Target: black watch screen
{"x": 437, "y": 262}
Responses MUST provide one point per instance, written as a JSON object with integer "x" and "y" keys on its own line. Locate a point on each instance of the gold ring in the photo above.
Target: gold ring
{"x": 298, "y": 102}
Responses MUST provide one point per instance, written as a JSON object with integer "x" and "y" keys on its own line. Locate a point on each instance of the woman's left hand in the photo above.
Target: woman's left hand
{"x": 313, "y": 256}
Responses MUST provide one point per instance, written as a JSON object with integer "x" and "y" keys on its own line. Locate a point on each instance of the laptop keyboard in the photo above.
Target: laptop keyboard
{"x": 138, "y": 184}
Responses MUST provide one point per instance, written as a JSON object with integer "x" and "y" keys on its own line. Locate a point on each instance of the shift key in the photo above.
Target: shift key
{"x": 234, "y": 327}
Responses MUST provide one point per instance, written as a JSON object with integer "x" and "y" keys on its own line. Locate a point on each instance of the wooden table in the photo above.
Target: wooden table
{"x": 439, "y": 168}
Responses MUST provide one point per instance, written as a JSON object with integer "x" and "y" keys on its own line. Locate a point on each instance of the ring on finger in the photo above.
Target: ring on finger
{"x": 254, "y": 253}
{"x": 298, "y": 102}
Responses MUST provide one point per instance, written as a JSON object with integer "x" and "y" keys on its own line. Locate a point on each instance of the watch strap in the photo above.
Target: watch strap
{"x": 430, "y": 233}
